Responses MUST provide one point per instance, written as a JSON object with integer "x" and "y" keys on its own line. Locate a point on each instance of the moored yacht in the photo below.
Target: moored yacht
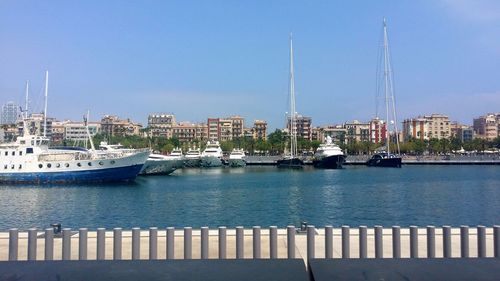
{"x": 192, "y": 158}
{"x": 30, "y": 160}
{"x": 291, "y": 160}
{"x": 386, "y": 158}
{"x": 212, "y": 155}
{"x": 237, "y": 158}
{"x": 328, "y": 155}
{"x": 177, "y": 156}
{"x": 158, "y": 164}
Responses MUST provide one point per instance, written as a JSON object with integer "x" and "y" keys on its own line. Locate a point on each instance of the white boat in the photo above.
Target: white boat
{"x": 156, "y": 164}
{"x": 30, "y": 160}
{"x": 291, "y": 160}
{"x": 192, "y": 158}
{"x": 328, "y": 155}
{"x": 237, "y": 158}
{"x": 177, "y": 156}
{"x": 212, "y": 155}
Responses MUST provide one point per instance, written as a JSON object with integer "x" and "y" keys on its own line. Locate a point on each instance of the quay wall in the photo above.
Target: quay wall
{"x": 407, "y": 160}
{"x": 256, "y": 242}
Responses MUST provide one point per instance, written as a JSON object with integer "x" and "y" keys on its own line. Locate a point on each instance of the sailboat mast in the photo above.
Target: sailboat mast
{"x": 386, "y": 89}
{"x": 45, "y": 108}
{"x": 293, "y": 132}
{"x": 25, "y": 121}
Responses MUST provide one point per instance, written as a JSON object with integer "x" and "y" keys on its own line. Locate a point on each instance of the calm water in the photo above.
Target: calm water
{"x": 418, "y": 195}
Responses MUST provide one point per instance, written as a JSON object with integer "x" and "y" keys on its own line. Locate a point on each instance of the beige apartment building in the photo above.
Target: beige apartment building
{"x": 259, "y": 129}
{"x": 487, "y": 126}
{"x": 427, "y": 127}
{"x": 160, "y": 124}
{"x": 114, "y": 126}
{"x": 190, "y": 132}
{"x": 357, "y": 131}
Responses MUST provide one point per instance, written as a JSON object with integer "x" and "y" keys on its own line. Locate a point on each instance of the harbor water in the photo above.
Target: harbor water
{"x": 265, "y": 195}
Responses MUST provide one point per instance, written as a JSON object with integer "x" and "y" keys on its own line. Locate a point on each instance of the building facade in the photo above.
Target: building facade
{"x": 434, "y": 126}
{"x": 187, "y": 132}
{"x": 259, "y": 129}
{"x": 303, "y": 126}
{"x": 160, "y": 124}
{"x": 114, "y": 126}
{"x": 9, "y": 113}
{"x": 488, "y": 126}
{"x": 357, "y": 131}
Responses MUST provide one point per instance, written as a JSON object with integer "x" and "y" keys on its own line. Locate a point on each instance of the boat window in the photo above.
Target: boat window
{"x": 22, "y": 142}
{"x": 90, "y": 163}
{"x": 29, "y": 150}
{"x": 20, "y": 166}
{"x": 6, "y": 153}
{"x": 40, "y": 166}
{"x": 13, "y": 153}
{"x": 66, "y": 165}
{"x": 49, "y": 165}
{"x": 32, "y": 142}
{"x": 5, "y": 166}
{"x": 112, "y": 162}
{"x": 12, "y": 167}
{"x": 58, "y": 165}
{"x": 21, "y": 153}
{"x": 101, "y": 163}
{"x": 79, "y": 164}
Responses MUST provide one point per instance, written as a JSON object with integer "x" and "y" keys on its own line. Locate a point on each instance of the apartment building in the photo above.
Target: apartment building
{"x": 160, "y": 124}
{"x": 427, "y": 127}
{"x": 114, "y": 126}
{"x": 303, "y": 126}
{"x": 487, "y": 126}
{"x": 357, "y": 131}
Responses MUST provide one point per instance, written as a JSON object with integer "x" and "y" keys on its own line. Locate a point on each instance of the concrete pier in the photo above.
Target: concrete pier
{"x": 273, "y": 243}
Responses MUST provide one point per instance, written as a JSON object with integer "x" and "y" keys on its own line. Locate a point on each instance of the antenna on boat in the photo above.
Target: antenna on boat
{"x": 45, "y": 109}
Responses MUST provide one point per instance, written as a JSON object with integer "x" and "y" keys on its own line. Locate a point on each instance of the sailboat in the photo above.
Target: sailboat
{"x": 292, "y": 161}
{"x": 385, "y": 158}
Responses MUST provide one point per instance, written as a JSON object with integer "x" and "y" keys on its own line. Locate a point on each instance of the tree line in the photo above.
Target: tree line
{"x": 277, "y": 143}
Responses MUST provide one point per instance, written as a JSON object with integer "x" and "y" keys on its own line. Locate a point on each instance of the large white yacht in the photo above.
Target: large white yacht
{"x": 329, "y": 155}
{"x": 156, "y": 164}
{"x": 237, "y": 158}
{"x": 192, "y": 158}
{"x": 212, "y": 155}
{"x": 30, "y": 160}
{"x": 177, "y": 156}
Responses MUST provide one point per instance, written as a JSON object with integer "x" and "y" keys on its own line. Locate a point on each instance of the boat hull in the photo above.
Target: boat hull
{"x": 237, "y": 163}
{"x": 293, "y": 163}
{"x": 192, "y": 162}
{"x": 127, "y": 173}
{"x": 210, "y": 161}
{"x": 393, "y": 162}
{"x": 159, "y": 167}
{"x": 330, "y": 162}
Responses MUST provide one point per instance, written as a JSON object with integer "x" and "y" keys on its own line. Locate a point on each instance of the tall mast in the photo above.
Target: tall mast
{"x": 293, "y": 129}
{"x": 25, "y": 119}
{"x": 45, "y": 108}
{"x": 88, "y": 131}
{"x": 386, "y": 88}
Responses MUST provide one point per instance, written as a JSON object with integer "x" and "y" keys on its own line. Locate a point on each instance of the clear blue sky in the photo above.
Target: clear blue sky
{"x": 218, "y": 58}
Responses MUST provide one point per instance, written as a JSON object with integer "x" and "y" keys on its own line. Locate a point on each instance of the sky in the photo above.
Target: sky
{"x": 200, "y": 59}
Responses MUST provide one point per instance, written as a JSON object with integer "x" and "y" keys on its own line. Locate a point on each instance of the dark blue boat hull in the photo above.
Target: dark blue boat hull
{"x": 330, "y": 162}
{"x": 293, "y": 163}
{"x": 128, "y": 173}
